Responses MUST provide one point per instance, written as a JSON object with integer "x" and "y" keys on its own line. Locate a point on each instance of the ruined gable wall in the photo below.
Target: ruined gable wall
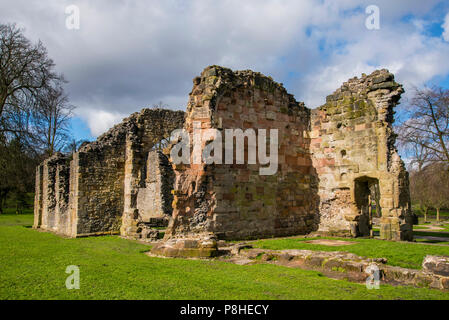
{"x": 236, "y": 201}
{"x": 353, "y": 144}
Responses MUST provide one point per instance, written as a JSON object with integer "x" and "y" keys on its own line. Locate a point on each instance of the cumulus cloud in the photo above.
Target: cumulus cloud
{"x": 131, "y": 54}
{"x": 446, "y": 28}
{"x": 100, "y": 121}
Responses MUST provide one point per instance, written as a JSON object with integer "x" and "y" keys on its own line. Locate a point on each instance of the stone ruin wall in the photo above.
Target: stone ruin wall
{"x": 52, "y": 195}
{"x": 353, "y": 147}
{"x": 139, "y": 167}
{"x": 332, "y": 161}
{"x": 154, "y": 197}
{"x": 236, "y": 201}
{"x": 84, "y": 194}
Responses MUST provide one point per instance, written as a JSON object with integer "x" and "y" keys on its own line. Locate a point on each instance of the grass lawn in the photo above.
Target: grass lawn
{"x": 33, "y": 266}
{"x": 402, "y": 254}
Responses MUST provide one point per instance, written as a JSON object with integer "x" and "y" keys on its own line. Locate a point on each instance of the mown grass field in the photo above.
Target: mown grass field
{"x": 33, "y": 265}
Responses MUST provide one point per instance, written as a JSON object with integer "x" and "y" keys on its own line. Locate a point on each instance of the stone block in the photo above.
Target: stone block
{"x": 438, "y": 265}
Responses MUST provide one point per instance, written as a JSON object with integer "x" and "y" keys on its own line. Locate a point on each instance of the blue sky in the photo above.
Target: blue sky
{"x": 128, "y": 55}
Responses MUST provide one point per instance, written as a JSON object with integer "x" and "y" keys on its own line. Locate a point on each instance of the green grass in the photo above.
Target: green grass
{"x": 402, "y": 254}
{"x": 33, "y": 266}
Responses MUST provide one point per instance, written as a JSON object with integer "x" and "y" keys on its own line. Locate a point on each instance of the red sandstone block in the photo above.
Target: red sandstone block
{"x": 304, "y": 169}
{"x": 327, "y": 162}
{"x": 291, "y": 160}
{"x": 248, "y": 125}
{"x": 304, "y": 161}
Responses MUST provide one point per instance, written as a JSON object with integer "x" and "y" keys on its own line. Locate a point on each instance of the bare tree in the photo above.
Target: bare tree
{"x": 420, "y": 190}
{"x": 425, "y": 134}
{"x": 24, "y": 69}
{"x": 51, "y": 119}
{"x": 33, "y": 111}
{"x": 16, "y": 171}
{"x": 429, "y": 187}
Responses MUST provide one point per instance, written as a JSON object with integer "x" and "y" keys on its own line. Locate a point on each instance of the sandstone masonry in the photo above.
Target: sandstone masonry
{"x": 100, "y": 189}
{"x": 335, "y": 164}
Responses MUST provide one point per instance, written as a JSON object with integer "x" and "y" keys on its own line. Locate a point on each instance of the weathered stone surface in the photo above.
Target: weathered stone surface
{"x": 51, "y": 197}
{"x": 356, "y": 160}
{"x": 236, "y": 201}
{"x": 436, "y": 265}
{"x": 188, "y": 248}
{"x": 333, "y": 164}
{"x": 94, "y": 191}
{"x": 349, "y": 266}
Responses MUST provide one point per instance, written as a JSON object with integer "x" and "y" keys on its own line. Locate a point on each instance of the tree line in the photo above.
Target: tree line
{"x": 34, "y": 113}
{"x": 424, "y": 139}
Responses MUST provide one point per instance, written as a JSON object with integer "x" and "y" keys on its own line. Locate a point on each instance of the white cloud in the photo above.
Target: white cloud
{"x": 100, "y": 121}
{"x": 132, "y": 54}
{"x": 446, "y": 28}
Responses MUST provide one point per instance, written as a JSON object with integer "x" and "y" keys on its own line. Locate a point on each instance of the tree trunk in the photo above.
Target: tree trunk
{"x": 425, "y": 214}
{"x": 2, "y": 200}
{"x": 438, "y": 214}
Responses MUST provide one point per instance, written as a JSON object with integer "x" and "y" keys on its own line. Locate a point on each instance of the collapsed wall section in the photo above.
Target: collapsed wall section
{"x": 237, "y": 201}
{"x": 148, "y": 178}
{"x": 356, "y": 160}
{"x": 154, "y": 197}
{"x": 88, "y": 196}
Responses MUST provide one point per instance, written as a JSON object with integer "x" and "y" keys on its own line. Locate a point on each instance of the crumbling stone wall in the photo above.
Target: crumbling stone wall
{"x": 38, "y": 196}
{"x": 354, "y": 154}
{"x": 88, "y": 197}
{"x": 234, "y": 201}
{"x": 51, "y": 198}
{"x": 333, "y": 163}
{"x": 62, "y": 213}
{"x": 99, "y": 169}
{"x": 154, "y": 197}
{"x": 151, "y": 127}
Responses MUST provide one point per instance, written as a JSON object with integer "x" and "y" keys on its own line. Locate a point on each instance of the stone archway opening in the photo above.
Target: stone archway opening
{"x": 367, "y": 200}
